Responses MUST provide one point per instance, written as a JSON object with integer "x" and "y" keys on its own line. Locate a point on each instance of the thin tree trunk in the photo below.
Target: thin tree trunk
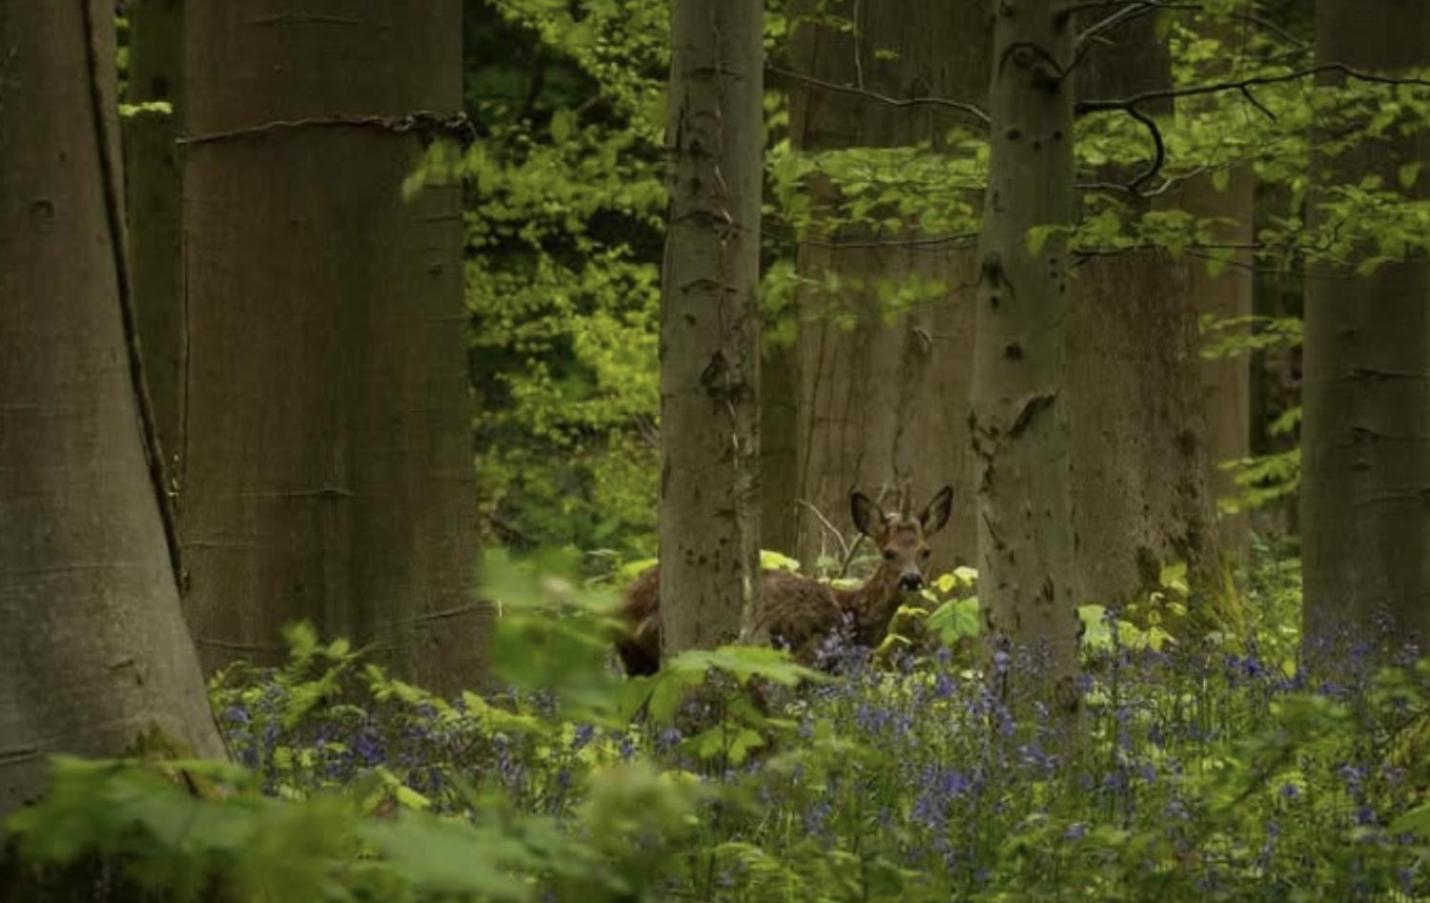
{"x": 94, "y": 656}
{"x": 710, "y": 328}
{"x": 328, "y": 451}
{"x": 1229, "y": 295}
{"x": 883, "y": 401}
{"x": 1141, "y": 495}
{"x": 1019, "y": 427}
{"x": 779, "y": 449}
{"x": 1366, "y": 435}
{"x": 1226, "y": 381}
{"x": 151, "y": 158}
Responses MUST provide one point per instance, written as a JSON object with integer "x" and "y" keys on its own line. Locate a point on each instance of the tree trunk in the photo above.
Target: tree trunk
{"x": 1229, "y": 295}
{"x": 1226, "y": 381}
{"x": 94, "y": 656}
{"x": 710, "y": 328}
{"x": 328, "y": 469}
{"x": 151, "y": 158}
{"x": 1366, "y": 434}
{"x": 1141, "y": 498}
{"x": 1019, "y": 426}
{"x": 883, "y": 403}
{"x": 779, "y": 449}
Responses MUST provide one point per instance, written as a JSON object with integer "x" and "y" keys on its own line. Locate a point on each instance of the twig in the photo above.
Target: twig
{"x": 932, "y": 241}
{"x": 843, "y": 546}
{"x": 965, "y": 108}
{"x": 1097, "y": 106}
{"x": 424, "y": 123}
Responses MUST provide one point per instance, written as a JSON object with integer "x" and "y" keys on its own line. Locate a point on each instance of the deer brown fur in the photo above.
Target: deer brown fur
{"x": 800, "y": 612}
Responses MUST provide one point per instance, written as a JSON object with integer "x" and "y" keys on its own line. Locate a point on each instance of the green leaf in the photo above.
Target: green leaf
{"x": 1409, "y": 174}
{"x": 775, "y": 561}
{"x": 1416, "y": 821}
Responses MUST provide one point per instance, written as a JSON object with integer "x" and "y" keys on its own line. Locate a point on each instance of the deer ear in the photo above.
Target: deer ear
{"x": 937, "y": 513}
{"x": 866, "y": 514}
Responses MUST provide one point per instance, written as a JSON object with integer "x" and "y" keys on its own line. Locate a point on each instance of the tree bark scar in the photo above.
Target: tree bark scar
{"x": 1031, "y": 408}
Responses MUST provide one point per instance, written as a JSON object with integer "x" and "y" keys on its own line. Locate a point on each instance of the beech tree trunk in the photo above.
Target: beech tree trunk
{"x": 1226, "y": 381}
{"x": 1141, "y": 498}
{"x": 779, "y": 449}
{"x": 94, "y": 656}
{"x": 1229, "y": 295}
{"x": 710, "y": 328}
{"x": 1019, "y": 424}
{"x": 1366, "y": 433}
{"x": 155, "y": 184}
{"x": 328, "y": 463}
{"x": 883, "y": 405}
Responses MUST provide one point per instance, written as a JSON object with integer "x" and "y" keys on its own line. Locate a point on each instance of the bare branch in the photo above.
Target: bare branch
{"x": 1243, "y": 86}
{"x": 1131, "y": 10}
{"x": 824, "y": 521}
{"x": 967, "y": 109}
{"x": 423, "y": 123}
{"x": 929, "y": 241}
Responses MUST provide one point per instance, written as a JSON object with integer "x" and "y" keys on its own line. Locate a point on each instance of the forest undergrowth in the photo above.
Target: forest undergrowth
{"x": 1208, "y": 770}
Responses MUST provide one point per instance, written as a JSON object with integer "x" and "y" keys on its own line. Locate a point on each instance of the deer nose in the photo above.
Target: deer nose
{"x": 911, "y": 582}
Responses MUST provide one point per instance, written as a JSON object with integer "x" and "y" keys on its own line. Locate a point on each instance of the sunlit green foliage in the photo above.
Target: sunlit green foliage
{"x": 565, "y": 235}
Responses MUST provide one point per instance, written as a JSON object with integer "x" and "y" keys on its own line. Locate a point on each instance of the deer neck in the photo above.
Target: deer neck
{"x": 872, "y": 605}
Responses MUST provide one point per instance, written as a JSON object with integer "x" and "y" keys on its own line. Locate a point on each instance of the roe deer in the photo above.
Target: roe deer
{"x": 800, "y": 612}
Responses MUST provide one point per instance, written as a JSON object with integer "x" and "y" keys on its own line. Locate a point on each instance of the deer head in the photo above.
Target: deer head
{"x": 902, "y": 539}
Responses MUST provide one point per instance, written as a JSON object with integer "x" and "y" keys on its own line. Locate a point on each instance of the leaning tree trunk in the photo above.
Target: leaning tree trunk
{"x": 94, "y": 656}
{"x": 710, "y": 328}
{"x": 155, "y": 184}
{"x": 882, "y": 402}
{"x": 1141, "y": 498}
{"x": 1019, "y": 422}
{"x": 1366, "y": 434}
{"x": 328, "y": 463}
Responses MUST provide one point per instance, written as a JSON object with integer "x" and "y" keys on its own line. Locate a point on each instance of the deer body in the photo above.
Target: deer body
{"x": 799, "y": 612}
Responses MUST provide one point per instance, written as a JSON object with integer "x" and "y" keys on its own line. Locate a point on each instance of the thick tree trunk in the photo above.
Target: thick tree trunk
{"x": 1366, "y": 434}
{"x": 94, "y": 656}
{"x": 1141, "y": 498}
{"x": 328, "y": 468}
{"x": 155, "y": 184}
{"x": 710, "y": 328}
{"x": 1020, "y": 433}
{"x": 883, "y": 405}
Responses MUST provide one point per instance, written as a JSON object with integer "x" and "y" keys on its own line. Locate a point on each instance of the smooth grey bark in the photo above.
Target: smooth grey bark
{"x": 779, "y": 449}
{"x": 883, "y": 401}
{"x": 710, "y": 328}
{"x": 94, "y": 655}
{"x": 1226, "y": 296}
{"x": 1019, "y": 426}
{"x": 1140, "y": 469}
{"x": 155, "y": 184}
{"x": 328, "y": 458}
{"x": 1366, "y": 432}
{"x": 1226, "y": 381}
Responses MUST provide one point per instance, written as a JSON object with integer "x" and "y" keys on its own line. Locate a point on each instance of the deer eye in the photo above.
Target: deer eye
{"x": 889, "y": 555}
{"x": 925, "y": 553}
